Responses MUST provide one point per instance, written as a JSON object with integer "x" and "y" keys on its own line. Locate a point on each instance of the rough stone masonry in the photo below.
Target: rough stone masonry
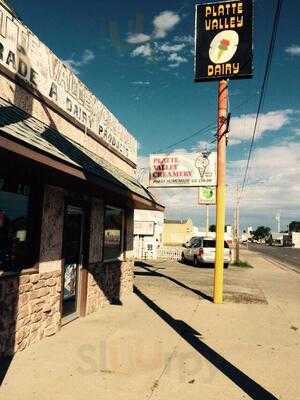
{"x": 29, "y": 309}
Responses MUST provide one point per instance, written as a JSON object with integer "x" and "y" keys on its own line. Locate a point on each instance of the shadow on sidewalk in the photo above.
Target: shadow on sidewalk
{"x": 150, "y": 272}
{"x": 4, "y": 366}
{"x": 243, "y": 381}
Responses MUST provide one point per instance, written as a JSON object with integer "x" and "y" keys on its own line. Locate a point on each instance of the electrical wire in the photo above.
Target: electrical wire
{"x": 206, "y": 131}
{"x": 263, "y": 89}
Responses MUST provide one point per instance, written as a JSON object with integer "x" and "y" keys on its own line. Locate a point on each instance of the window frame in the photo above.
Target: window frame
{"x": 121, "y": 257}
{"x": 34, "y": 215}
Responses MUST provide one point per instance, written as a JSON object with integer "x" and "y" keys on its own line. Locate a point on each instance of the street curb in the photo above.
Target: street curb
{"x": 279, "y": 264}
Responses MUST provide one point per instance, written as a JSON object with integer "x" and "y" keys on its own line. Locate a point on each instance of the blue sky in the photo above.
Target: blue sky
{"x": 137, "y": 58}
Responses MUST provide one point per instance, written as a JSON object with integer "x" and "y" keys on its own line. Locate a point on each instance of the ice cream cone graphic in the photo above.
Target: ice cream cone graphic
{"x": 201, "y": 164}
{"x": 223, "y": 46}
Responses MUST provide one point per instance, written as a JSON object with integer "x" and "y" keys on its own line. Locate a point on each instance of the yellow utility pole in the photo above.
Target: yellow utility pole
{"x": 221, "y": 183}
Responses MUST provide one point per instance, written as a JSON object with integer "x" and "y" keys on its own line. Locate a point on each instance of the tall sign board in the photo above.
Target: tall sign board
{"x": 28, "y": 59}
{"x": 182, "y": 170}
{"x": 223, "y": 40}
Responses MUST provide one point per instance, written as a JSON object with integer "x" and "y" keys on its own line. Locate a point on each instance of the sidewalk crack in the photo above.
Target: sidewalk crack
{"x": 156, "y": 383}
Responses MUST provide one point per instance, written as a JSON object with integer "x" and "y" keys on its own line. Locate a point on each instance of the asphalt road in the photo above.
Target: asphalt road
{"x": 286, "y": 255}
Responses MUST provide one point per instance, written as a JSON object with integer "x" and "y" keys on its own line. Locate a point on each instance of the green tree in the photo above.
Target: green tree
{"x": 294, "y": 226}
{"x": 262, "y": 233}
{"x": 212, "y": 228}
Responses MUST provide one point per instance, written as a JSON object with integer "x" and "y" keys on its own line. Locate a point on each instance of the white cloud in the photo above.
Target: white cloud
{"x": 233, "y": 142}
{"x": 144, "y": 50}
{"x": 293, "y": 50}
{"x": 184, "y": 39}
{"x": 241, "y": 128}
{"x": 273, "y": 185}
{"x": 137, "y": 38}
{"x": 71, "y": 64}
{"x": 204, "y": 145}
{"x": 140, "y": 83}
{"x": 87, "y": 56}
{"x": 85, "y": 59}
{"x": 296, "y": 131}
{"x": 171, "y": 48}
{"x": 164, "y": 22}
{"x": 176, "y": 60}
{"x": 273, "y": 179}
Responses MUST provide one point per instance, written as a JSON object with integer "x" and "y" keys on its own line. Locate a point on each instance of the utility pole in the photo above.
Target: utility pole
{"x": 278, "y": 217}
{"x": 207, "y": 219}
{"x": 237, "y": 227}
{"x": 221, "y": 183}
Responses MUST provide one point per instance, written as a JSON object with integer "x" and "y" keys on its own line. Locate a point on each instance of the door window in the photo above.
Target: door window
{"x": 72, "y": 259}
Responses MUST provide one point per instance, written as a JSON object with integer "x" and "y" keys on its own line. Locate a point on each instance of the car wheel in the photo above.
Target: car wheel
{"x": 196, "y": 263}
{"x": 226, "y": 265}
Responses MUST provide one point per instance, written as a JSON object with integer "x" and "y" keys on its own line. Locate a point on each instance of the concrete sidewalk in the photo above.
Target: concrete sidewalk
{"x": 170, "y": 341}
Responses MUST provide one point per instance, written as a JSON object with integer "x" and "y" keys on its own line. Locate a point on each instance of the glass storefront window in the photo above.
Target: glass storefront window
{"x": 14, "y": 202}
{"x": 113, "y": 228}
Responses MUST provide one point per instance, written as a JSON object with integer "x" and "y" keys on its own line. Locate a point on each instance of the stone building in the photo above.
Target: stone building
{"x": 67, "y": 194}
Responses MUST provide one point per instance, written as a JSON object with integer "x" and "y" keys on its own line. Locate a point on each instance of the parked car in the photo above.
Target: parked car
{"x": 201, "y": 250}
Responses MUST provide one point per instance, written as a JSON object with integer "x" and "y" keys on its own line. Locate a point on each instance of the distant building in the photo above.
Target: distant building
{"x": 148, "y": 229}
{"x": 296, "y": 239}
{"x": 278, "y": 239}
{"x": 229, "y": 230}
{"x": 176, "y": 232}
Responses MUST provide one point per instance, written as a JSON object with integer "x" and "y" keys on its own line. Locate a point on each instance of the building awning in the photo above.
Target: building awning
{"x": 27, "y": 136}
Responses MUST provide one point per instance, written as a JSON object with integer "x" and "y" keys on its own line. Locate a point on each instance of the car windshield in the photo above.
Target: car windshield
{"x": 212, "y": 243}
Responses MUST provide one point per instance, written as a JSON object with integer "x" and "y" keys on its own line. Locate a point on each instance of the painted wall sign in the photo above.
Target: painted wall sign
{"x": 144, "y": 228}
{"x": 223, "y": 40}
{"x": 207, "y": 195}
{"x": 22, "y": 53}
{"x": 183, "y": 170}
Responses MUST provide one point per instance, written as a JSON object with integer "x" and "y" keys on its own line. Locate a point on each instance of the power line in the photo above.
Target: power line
{"x": 205, "y": 130}
{"x": 263, "y": 87}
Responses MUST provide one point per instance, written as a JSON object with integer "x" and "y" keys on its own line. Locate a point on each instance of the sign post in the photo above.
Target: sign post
{"x": 223, "y": 51}
{"x": 207, "y": 219}
{"x": 221, "y": 185}
{"x": 207, "y": 197}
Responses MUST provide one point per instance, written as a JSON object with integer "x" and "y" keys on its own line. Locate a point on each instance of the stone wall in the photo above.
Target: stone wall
{"x": 96, "y": 230}
{"x": 52, "y": 229}
{"x": 108, "y": 284}
{"x": 29, "y": 309}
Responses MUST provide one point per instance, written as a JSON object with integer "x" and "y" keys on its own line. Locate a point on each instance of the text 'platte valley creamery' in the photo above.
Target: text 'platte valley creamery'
{"x": 223, "y": 40}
